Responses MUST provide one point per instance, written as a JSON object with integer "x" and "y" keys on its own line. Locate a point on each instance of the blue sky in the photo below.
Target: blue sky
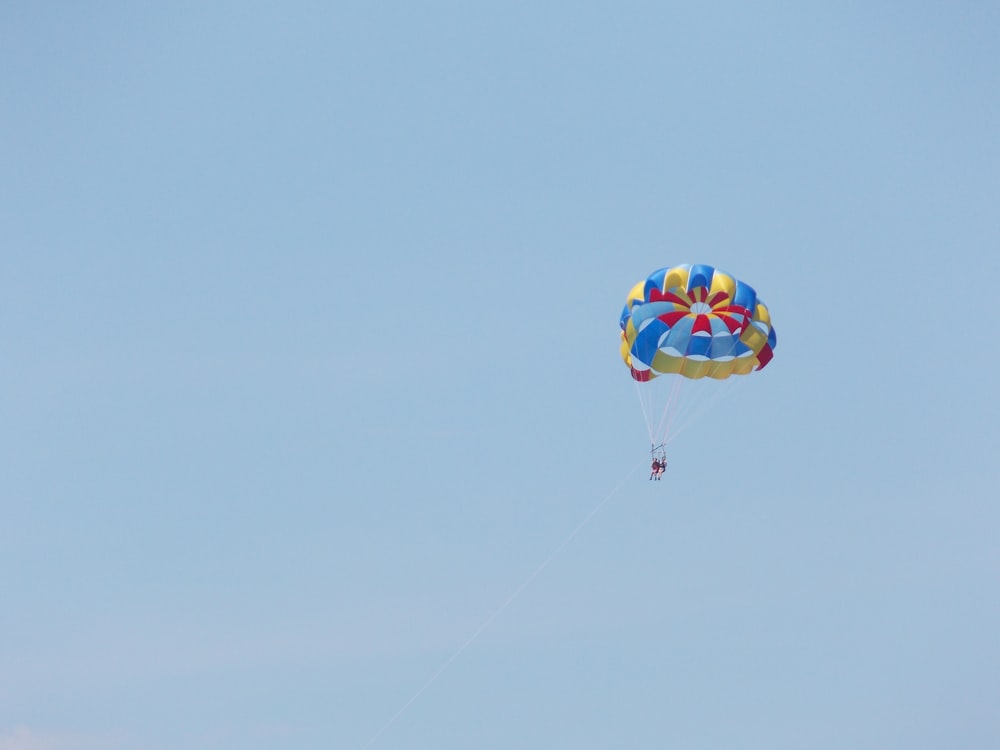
{"x": 310, "y": 382}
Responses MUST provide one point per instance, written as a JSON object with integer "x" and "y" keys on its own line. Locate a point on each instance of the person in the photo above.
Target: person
{"x": 663, "y": 467}
{"x": 656, "y": 469}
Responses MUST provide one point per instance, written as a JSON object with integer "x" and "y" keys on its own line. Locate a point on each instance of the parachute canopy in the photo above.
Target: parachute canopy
{"x": 695, "y": 321}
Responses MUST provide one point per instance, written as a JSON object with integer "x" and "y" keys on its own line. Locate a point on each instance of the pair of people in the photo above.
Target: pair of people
{"x": 659, "y": 466}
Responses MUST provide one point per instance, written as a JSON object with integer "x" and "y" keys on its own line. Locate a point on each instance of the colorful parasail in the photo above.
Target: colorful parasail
{"x": 695, "y": 321}
{"x": 684, "y": 326}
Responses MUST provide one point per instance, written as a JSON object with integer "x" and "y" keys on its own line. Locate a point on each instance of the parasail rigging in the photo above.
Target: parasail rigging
{"x": 684, "y": 329}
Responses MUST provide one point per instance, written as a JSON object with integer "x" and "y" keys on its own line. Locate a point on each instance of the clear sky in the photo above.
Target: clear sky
{"x": 310, "y": 384}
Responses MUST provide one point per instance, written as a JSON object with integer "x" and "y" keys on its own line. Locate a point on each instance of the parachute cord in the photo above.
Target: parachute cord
{"x": 669, "y": 410}
{"x": 704, "y": 404}
{"x": 658, "y": 420}
{"x": 510, "y": 600}
{"x": 646, "y": 405}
